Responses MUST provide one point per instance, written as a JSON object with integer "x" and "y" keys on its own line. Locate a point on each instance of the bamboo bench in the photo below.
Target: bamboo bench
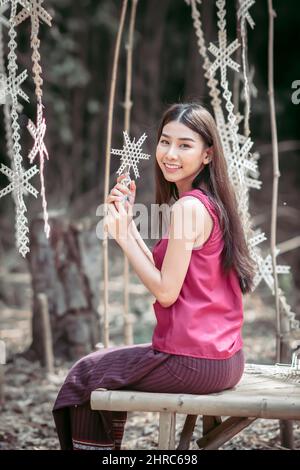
{"x": 263, "y": 392}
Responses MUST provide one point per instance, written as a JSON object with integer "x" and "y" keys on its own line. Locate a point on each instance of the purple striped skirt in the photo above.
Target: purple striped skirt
{"x": 142, "y": 368}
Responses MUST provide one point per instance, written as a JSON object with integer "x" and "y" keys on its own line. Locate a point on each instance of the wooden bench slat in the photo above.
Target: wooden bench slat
{"x": 257, "y": 395}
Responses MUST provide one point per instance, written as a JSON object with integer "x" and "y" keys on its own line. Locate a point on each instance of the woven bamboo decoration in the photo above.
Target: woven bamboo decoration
{"x": 10, "y": 91}
{"x": 241, "y": 163}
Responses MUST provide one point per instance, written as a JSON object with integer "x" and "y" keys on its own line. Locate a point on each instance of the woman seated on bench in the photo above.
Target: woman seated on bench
{"x": 197, "y": 272}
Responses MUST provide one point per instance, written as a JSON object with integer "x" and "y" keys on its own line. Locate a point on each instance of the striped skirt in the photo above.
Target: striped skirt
{"x": 137, "y": 367}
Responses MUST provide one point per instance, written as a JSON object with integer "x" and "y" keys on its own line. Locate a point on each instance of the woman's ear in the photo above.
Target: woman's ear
{"x": 208, "y": 155}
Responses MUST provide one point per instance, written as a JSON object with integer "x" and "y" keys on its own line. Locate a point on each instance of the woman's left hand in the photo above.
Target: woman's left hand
{"x": 118, "y": 219}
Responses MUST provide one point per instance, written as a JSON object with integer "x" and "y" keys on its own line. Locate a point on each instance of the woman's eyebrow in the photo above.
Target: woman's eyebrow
{"x": 179, "y": 138}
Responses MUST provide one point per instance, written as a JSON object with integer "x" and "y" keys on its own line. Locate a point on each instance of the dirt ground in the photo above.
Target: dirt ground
{"x": 29, "y": 393}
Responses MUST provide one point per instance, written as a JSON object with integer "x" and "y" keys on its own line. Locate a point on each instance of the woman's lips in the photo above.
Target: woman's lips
{"x": 171, "y": 170}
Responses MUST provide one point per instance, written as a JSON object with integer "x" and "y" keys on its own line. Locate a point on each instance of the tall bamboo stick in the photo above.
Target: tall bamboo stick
{"x": 127, "y": 328}
{"x": 276, "y": 172}
{"x": 107, "y": 168}
{"x": 286, "y": 427}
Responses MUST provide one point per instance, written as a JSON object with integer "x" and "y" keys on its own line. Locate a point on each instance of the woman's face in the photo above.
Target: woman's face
{"x": 181, "y": 153}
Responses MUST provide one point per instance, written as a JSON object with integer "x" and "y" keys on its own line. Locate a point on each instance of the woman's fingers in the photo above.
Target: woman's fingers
{"x": 112, "y": 198}
{"x": 122, "y": 188}
{"x": 116, "y": 192}
{"x": 120, "y": 178}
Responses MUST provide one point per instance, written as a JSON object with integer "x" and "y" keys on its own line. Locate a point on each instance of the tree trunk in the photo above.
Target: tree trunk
{"x": 58, "y": 271}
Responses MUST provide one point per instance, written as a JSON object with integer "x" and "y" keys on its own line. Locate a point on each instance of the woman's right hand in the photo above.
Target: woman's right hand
{"x": 119, "y": 191}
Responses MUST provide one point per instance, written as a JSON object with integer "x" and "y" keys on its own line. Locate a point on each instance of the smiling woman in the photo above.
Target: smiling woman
{"x": 197, "y": 344}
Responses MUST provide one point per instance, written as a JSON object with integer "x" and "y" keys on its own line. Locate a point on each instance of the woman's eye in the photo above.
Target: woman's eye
{"x": 166, "y": 142}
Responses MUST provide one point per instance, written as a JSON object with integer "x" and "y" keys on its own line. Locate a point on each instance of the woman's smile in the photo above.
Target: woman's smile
{"x": 172, "y": 168}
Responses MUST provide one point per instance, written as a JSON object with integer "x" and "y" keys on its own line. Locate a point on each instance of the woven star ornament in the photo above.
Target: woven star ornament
{"x": 130, "y": 154}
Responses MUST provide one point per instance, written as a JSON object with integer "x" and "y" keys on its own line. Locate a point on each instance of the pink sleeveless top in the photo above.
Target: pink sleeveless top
{"x": 207, "y": 317}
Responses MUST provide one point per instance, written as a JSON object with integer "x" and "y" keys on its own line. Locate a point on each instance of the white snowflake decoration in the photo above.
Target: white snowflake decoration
{"x": 223, "y": 55}
{"x": 38, "y": 132}
{"x": 19, "y": 186}
{"x": 130, "y": 154}
{"x": 243, "y": 11}
{"x": 10, "y": 87}
{"x": 19, "y": 181}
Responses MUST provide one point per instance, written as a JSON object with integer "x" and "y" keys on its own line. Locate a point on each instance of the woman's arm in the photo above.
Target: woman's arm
{"x": 166, "y": 284}
{"x": 140, "y": 241}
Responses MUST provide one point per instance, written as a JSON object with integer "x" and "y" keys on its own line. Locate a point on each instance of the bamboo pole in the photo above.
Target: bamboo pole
{"x": 128, "y": 329}
{"x": 276, "y": 172}
{"x": 285, "y": 427}
{"x": 46, "y": 332}
{"x": 107, "y": 168}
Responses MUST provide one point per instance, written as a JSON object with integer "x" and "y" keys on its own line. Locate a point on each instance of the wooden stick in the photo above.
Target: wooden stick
{"x": 46, "y": 332}
{"x": 282, "y": 325}
{"x": 107, "y": 168}
{"x": 276, "y": 172}
{"x": 128, "y": 330}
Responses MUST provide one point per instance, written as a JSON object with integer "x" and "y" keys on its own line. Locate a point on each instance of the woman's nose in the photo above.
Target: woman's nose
{"x": 171, "y": 152}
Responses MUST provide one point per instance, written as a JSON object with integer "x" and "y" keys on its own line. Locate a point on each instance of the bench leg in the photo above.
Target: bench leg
{"x": 167, "y": 425}
{"x": 217, "y": 435}
{"x": 187, "y": 432}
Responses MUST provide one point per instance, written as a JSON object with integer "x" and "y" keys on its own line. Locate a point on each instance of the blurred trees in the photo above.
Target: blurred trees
{"x": 77, "y": 60}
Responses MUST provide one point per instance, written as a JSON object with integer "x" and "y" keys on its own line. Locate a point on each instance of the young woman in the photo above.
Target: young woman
{"x": 197, "y": 275}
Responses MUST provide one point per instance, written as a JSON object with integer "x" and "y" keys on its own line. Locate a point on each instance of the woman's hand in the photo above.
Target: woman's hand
{"x": 120, "y": 211}
{"x": 120, "y": 191}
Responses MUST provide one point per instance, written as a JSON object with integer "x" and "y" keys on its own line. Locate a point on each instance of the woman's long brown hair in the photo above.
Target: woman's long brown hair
{"x": 214, "y": 175}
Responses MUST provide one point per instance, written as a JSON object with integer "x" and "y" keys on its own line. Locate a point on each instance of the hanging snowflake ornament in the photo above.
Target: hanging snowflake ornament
{"x": 223, "y": 54}
{"x": 243, "y": 11}
{"x": 17, "y": 175}
{"x": 265, "y": 270}
{"x": 130, "y": 154}
{"x": 20, "y": 186}
{"x": 19, "y": 182}
{"x": 38, "y": 132}
{"x": 34, "y": 10}
{"x": 12, "y": 86}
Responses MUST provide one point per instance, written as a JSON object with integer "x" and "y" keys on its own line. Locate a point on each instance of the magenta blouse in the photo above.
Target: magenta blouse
{"x": 207, "y": 317}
